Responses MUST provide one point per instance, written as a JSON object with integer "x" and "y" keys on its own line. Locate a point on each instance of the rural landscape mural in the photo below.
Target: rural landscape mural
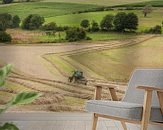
{"x": 60, "y": 48}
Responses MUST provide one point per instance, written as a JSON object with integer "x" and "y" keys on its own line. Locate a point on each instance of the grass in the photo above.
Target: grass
{"x": 75, "y": 19}
{"x": 110, "y": 36}
{"x": 99, "y": 2}
{"x": 117, "y": 64}
{"x": 46, "y": 9}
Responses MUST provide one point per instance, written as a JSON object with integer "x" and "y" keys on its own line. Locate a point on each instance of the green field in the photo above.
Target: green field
{"x": 102, "y": 36}
{"x": 61, "y": 12}
{"x": 75, "y": 19}
{"x": 99, "y": 2}
{"x": 46, "y": 9}
{"x": 117, "y": 64}
{"x": 106, "y": 2}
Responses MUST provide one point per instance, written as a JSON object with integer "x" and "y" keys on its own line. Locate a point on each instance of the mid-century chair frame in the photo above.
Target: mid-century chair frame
{"x": 146, "y": 107}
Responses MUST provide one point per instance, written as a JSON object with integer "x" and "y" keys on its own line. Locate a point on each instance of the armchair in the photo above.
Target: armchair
{"x": 142, "y": 103}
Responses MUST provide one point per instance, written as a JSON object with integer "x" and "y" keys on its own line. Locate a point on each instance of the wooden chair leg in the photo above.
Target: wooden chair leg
{"x": 113, "y": 94}
{"x": 124, "y": 125}
{"x": 160, "y": 98}
{"x": 94, "y": 122}
{"x": 146, "y": 109}
{"x": 97, "y": 96}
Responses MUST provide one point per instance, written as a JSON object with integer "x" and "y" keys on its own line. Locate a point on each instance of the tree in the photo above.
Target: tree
{"x": 155, "y": 30}
{"x": 33, "y": 21}
{"x": 50, "y": 26}
{"x": 95, "y": 26}
{"x": 7, "y": 19}
{"x": 107, "y": 23}
{"x": 7, "y": 1}
{"x": 15, "y": 21}
{"x": 131, "y": 21}
{"x": 120, "y": 21}
{"x": 5, "y": 37}
{"x": 75, "y": 34}
{"x": 147, "y": 10}
{"x": 5, "y": 22}
{"x": 2, "y": 25}
{"x": 85, "y": 23}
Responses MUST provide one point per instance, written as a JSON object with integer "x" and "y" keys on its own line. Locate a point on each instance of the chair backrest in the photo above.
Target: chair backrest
{"x": 143, "y": 77}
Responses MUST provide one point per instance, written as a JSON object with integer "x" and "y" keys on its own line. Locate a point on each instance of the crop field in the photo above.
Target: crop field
{"x": 86, "y": 59}
{"x": 58, "y": 95}
{"x": 117, "y": 64}
{"x": 55, "y": 98}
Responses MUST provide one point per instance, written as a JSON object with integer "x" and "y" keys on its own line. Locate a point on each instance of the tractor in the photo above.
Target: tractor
{"x": 77, "y": 77}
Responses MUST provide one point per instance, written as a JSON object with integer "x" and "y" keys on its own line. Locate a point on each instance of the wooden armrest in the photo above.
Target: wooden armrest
{"x": 105, "y": 85}
{"x": 147, "y": 88}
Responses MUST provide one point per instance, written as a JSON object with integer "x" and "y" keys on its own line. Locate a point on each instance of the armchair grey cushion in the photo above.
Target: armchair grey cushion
{"x": 131, "y": 111}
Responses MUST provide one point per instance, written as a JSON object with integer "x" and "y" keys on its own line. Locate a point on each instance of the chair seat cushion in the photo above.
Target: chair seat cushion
{"x": 131, "y": 111}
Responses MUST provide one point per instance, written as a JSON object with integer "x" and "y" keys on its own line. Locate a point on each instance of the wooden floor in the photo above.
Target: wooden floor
{"x": 57, "y": 121}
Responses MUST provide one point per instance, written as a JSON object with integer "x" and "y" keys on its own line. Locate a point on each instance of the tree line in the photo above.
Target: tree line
{"x": 121, "y": 22}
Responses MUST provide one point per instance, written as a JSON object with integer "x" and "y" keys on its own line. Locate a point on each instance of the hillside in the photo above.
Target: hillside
{"x": 98, "y": 2}
{"x": 46, "y": 9}
{"x": 117, "y": 64}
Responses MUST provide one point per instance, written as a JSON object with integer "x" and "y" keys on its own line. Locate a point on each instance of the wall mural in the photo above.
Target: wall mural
{"x": 61, "y": 48}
